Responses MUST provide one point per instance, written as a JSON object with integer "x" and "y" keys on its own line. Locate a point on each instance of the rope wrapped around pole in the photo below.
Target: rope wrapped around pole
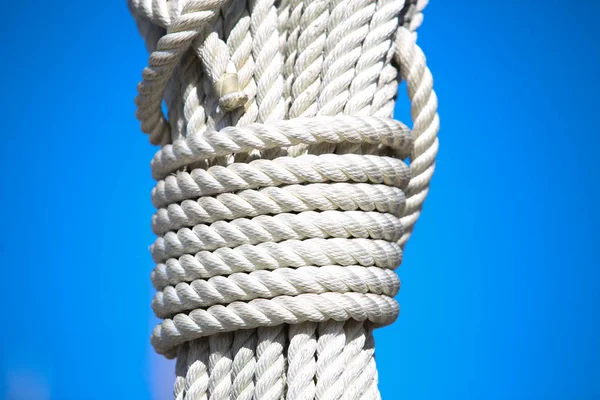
{"x": 285, "y": 190}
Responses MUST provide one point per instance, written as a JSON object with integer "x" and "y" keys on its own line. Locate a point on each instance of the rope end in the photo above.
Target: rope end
{"x": 229, "y": 93}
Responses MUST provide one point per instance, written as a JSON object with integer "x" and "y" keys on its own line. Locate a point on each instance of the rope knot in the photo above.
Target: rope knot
{"x": 222, "y": 72}
{"x": 228, "y": 91}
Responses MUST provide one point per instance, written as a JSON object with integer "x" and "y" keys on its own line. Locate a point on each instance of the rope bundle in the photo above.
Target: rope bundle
{"x": 283, "y": 198}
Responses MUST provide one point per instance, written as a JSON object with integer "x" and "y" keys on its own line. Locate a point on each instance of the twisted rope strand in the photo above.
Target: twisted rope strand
{"x": 426, "y": 124}
{"x": 306, "y": 225}
{"x": 181, "y": 369}
{"x": 269, "y": 284}
{"x": 269, "y": 63}
{"x": 278, "y": 200}
{"x": 212, "y": 144}
{"x": 243, "y": 367}
{"x": 330, "y": 366}
{"x": 309, "y": 59}
{"x": 353, "y": 364}
{"x": 270, "y": 256}
{"x": 373, "y": 58}
{"x": 278, "y": 172}
{"x": 197, "y": 376}
{"x": 195, "y": 15}
{"x": 169, "y": 334}
{"x": 220, "y": 364}
{"x": 303, "y": 366}
{"x": 270, "y": 363}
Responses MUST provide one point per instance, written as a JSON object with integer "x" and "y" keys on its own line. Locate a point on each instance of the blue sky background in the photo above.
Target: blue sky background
{"x": 500, "y": 284}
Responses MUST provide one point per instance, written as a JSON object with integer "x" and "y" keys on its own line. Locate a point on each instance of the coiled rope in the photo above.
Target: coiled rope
{"x": 283, "y": 198}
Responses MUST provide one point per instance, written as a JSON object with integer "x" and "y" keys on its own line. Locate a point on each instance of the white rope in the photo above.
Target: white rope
{"x": 303, "y": 366}
{"x": 269, "y": 284}
{"x": 265, "y": 228}
{"x": 271, "y": 256}
{"x": 278, "y": 200}
{"x": 283, "y": 198}
{"x": 354, "y": 370}
{"x": 220, "y": 365}
{"x": 281, "y": 171}
{"x": 172, "y": 332}
{"x": 395, "y": 136}
{"x": 330, "y": 362}
{"x": 270, "y": 363}
{"x": 426, "y": 125}
{"x": 197, "y": 374}
{"x": 181, "y": 369}
{"x": 244, "y": 364}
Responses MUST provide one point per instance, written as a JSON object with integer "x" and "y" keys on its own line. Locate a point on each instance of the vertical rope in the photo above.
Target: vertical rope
{"x": 220, "y": 366}
{"x": 270, "y": 363}
{"x": 197, "y": 376}
{"x": 244, "y": 364}
{"x": 268, "y": 60}
{"x": 309, "y": 59}
{"x": 354, "y": 364}
{"x": 426, "y": 125}
{"x": 181, "y": 369}
{"x": 240, "y": 43}
{"x": 302, "y": 362}
{"x": 330, "y": 366}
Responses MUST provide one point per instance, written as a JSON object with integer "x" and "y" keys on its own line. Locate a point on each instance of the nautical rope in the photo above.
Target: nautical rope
{"x": 269, "y": 284}
{"x": 273, "y": 200}
{"x": 265, "y": 228}
{"x": 281, "y": 171}
{"x": 285, "y": 192}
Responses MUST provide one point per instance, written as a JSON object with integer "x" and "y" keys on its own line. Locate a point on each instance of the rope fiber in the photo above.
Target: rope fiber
{"x": 285, "y": 190}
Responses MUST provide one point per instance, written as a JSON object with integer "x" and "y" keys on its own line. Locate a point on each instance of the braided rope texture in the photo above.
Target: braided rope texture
{"x": 285, "y": 191}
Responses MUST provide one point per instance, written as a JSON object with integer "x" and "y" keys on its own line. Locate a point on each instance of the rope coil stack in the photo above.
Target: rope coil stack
{"x": 283, "y": 196}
